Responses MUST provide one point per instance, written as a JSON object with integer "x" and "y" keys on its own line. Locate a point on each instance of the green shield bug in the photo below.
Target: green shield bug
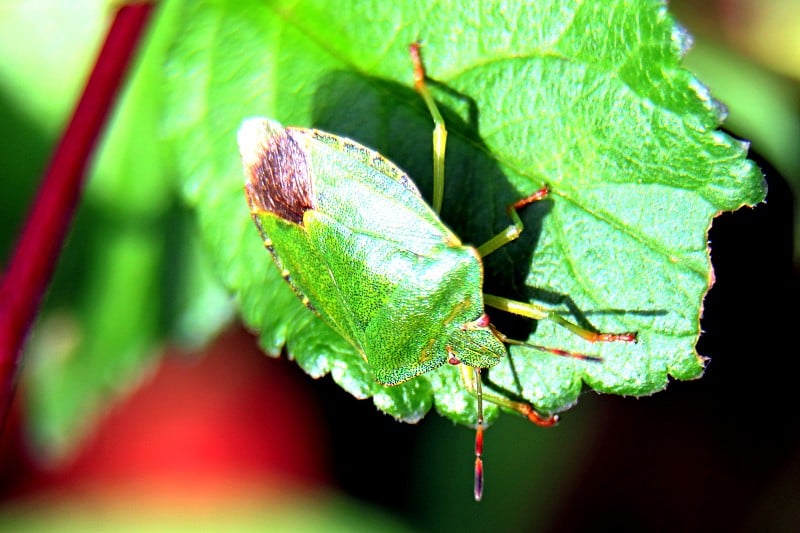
{"x": 353, "y": 237}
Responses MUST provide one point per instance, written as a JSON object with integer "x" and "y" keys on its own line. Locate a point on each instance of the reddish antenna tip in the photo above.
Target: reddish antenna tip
{"x": 478, "y": 479}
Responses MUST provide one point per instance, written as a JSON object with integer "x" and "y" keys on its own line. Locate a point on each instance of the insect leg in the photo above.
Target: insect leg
{"x": 439, "y": 131}
{"x": 537, "y": 312}
{"x": 515, "y": 228}
{"x": 470, "y": 376}
{"x": 554, "y": 351}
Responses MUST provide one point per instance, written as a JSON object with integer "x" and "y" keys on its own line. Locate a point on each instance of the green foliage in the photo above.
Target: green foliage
{"x": 589, "y": 97}
{"x": 132, "y": 271}
{"x": 532, "y": 93}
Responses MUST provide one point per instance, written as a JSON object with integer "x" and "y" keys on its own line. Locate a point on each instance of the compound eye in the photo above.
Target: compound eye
{"x": 482, "y": 322}
{"x": 451, "y": 357}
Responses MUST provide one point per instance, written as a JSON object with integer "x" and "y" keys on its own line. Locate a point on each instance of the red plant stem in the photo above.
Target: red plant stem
{"x": 45, "y": 229}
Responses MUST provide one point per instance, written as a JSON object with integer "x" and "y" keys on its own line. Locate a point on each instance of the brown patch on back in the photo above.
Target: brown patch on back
{"x": 277, "y": 172}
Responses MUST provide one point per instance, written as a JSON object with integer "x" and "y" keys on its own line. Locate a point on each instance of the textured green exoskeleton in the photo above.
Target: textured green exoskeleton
{"x": 361, "y": 248}
{"x": 357, "y": 242}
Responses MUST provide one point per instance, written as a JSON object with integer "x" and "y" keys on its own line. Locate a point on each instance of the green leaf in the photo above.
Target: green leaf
{"x": 96, "y": 341}
{"x": 126, "y": 275}
{"x": 588, "y": 97}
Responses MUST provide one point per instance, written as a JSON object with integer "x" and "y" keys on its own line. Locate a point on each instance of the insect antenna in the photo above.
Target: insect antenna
{"x": 479, "y": 439}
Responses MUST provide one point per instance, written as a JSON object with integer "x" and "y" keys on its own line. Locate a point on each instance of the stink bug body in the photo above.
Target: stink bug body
{"x": 368, "y": 253}
{"x": 358, "y": 244}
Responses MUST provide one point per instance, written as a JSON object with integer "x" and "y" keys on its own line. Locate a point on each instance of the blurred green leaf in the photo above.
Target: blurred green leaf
{"x": 130, "y": 272}
{"x": 589, "y": 97}
{"x": 42, "y": 45}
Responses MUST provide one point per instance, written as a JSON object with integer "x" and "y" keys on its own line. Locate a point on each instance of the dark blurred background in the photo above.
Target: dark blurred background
{"x": 230, "y": 439}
